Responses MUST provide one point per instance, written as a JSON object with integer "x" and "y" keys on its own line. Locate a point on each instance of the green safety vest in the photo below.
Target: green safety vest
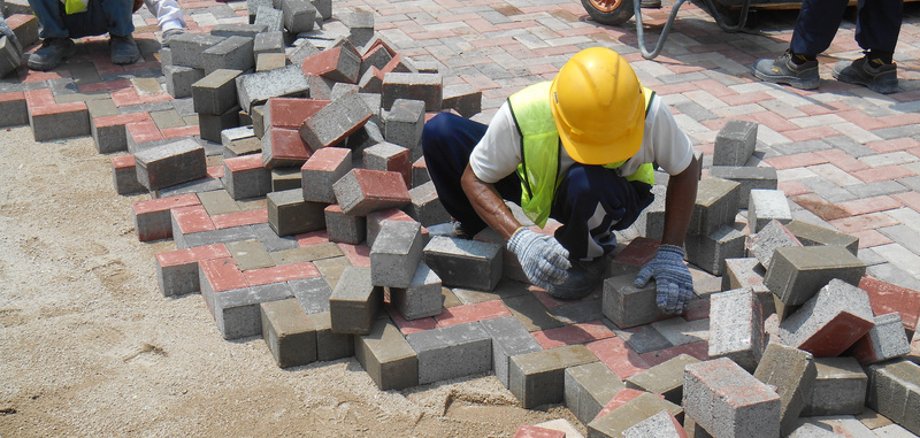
{"x": 540, "y": 145}
{"x": 75, "y": 6}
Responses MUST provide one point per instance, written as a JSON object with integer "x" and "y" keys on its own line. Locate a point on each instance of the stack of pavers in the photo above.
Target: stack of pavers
{"x": 304, "y": 214}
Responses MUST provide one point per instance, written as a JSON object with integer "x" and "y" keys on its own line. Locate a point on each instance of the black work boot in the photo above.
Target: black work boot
{"x": 52, "y": 53}
{"x": 784, "y": 70}
{"x": 124, "y": 50}
{"x": 875, "y": 74}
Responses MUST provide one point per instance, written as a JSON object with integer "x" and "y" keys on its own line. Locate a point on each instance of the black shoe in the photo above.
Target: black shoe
{"x": 52, "y": 53}
{"x": 650, "y": 4}
{"x": 783, "y": 71}
{"x": 580, "y": 279}
{"x": 124, "y": 50}
{"x": 878, "y": 76}
{"x": 169, "y": 35}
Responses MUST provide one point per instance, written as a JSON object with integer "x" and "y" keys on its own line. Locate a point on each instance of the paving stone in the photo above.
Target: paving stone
{"x": 324, "y": 167}
{"x": 323, "y": 8}
{"x": 791, "y": 372}
{"x": 238, "y": 29}
{"x": 530, "y": 431}
{"x": 239, "y": 141}
{"x": 152, "y": 218}
{"x": 289, "y": 113}
{"x": 210, "y": 126}
{"x": 830, "y": 322}
{"x": 727, "y": 401}
{"x": 396, "y": 253}
{"x": 814, "y": 235}
{"x": 289, "y": 213}
{"x": 246, "y": 177}
{"x": 735, "y": 143}
{"x": 288, "y": 333}
{"x": 355, "y": 302}
{"x": 767, "y": 205}
{"x": 391, "y": 157}
{"x": 839, "y": 388}
{"x": 456, "y": 351}
{"x": 170, "y": 164}
{"x": 538, "y": 378}
{"x": 13, "y": 110}
{"x": 258, "y": 120}
{"x": 797, "y": 273}
{"x": 59, "y": 121}
{"x": 363, "y": 191}
{"x": 628, "y": 306}
{"x": 588, "y": 388}
{"x": 286, "y": 179}
{"x": 283, "y": 148}
{"x": 216, "y": 236}
{"x": 660, "y": 424}
{"x": 344, "y": 228}
{"x": 307, "y": 253}
{"x": 360, "y": 26}
{"x": 215, "y": 93}
{"x": 298, "y": 15}
{"x": 233, "y": 53}
{"x": 369, "y": 135}
{"x": 420, "y": 172}
{"x": 463, "y": 99}
{"x": 187, "y": 48}
{"x": 772, "y": 236}
{"x": 415, "y": 86}
{"x": 271, "y": 18}
{"x": 189, "y": 220}
{"x": 272, "y": 242}
{"x": 509, "y": 338}
{"x": 268, "y": 42}
{"x": 312, "y": 294}
{"x": 250, "y": 254}
{"x": 237, "y": 311}
{"x": 716, "y": 205}
{"x": 376, "y": 57}
{"x": 666, "y": 378}
{"x": 179, "y": 80}
{"x": 109, "y": 131}
{"x": 422, "y": 298}
{"x": 298, "y": 54}
{"x": 736, "y": 324}
{"x": 330, "y": 345}
{"x": 339, "y": 64}
{"x": 320, "y": 87}
{"x": 894, "y": 391}
{"x": 376, "y": 219}
{"x": 335, "y": 122}
{"x": 404, "y": 124}
{"x": 177, "y": 270}
{"x": 124, "y": 175}
{"x": 253, "y": 89}
{"x": 387, "y": 357}
{"x": 465, "y": 263}
{"x": 710, "y": 251}
{"x": 626, "y": 415}
{"x": 886, "y": 297}
{"x": 885, "y": 340}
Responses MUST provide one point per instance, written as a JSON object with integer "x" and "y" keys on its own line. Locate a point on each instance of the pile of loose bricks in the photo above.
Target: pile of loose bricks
{"x": 304, "y": 214}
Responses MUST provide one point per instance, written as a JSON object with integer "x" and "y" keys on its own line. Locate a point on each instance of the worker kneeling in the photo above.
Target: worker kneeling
{"x": 579, "y": 149}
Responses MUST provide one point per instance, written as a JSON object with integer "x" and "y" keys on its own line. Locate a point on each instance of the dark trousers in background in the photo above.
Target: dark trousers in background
{"x": 878, "y": 23}
{"x": 101, "y": 16}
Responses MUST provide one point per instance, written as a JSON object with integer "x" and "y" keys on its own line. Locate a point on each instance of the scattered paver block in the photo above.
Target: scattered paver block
{"x": 816, "y": 235}
{"x": 463, "y": 99}
{"x": 795, "y": 274}
{"x": 426, "y": 207}
{"x": 238, "y": 29}
{"x": 290, "y": 113}
{"x": 422, "y": 298}
{"x": 288, "y": 333}
{"x": 298, "y": 15}
{"x": 177, "y": 270}
{"x": 239, "y": 141}
{"x": 179, "y": 80}
{"x": 250, "y": 254}
{"x": 233, "y": 301}
{"x": 465, "y": 263}
{"x": 716, "y": 205}
{"x": 255, "y": 88}
{"x": 728, "y": 402}
{"x": 271, "y": 18}
{"x": 360, "y": 26}
{"x": 887, "y": 298}
{"x": 791, "y": 372}
{"x": 630, "y": 306}
{"x": 415, "y": 86}
{"x": 736, "y": 327}
{"x": 268, "y": 42}
{"x": 530, "y": 431}
{"x": 659, "y": 425}
{"x": 211, "y": 125}
{"x": 339, "y": 64}
{"x": 588, "y": 388}
{"x": 186, "y": 49}
{"x": 885, "y": 340}
{"x": 312, "y": 293}
{"x": 830, "y": 322}
{"x": 772, "y": 236}
{"x": 290, "y": 214}
{"x": 404, "y": 124}
{"x": 59, "y": 121}
{"x": 710, "y": 251}
{"x": 13, "y": 109}
{"x": 109, "y": 131}
{"x": 456, "y": 351}
{"x": 387, "y": 357}
{"x": 396, "y": 254}
{"x": 171, "y": 164}
{"x": 420, "y": 172}
{"x": 233, "y": 53}
{"x": 324, "y": 167}
{"x": 538, "y": 378}
{"x": 750, "y": 178}
{"x": 624, "y": 416}
{"x": 355, "y": 302}
{"x": 765, "y": 206}
{"x": 189, "y": 220}
{"x": 152, "y": 218}
{"x": 286, "y": 179}
{"x": 246, "y": 177}
{"x": 344, "y": 228}
{"x": 509, "y": 338}
{"x": 279, "y": 274}
{"x": 735, "y": 143}
{"x": 839, "y": 388}
{"x": 335, "y": 122}
{"x": 215, "y": 93}
{"x": 362, "y": 191}
{"x": 330, "y": 345}
{"x": 894, "y": 391}
{"x": 376, "y": 219}
{"x": 283, "y": 148}
{"x": 666, "y": 378}
{"x": 389, "y": 156}
{"x": 270, "y": 61}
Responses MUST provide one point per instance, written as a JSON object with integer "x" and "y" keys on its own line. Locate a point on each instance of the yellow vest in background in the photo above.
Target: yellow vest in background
{"x": 75, "y": 6}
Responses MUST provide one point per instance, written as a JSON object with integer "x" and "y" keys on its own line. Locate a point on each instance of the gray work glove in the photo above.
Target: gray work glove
{"x": 542, "y": 257}
{"x": 672, "y": 277}
{"x": 5, "y": 30}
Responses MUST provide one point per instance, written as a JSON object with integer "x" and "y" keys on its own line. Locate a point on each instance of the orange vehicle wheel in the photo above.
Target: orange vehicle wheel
{"x": 611, "y": 12}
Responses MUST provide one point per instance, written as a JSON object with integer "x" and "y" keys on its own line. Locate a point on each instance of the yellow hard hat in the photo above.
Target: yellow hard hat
{"x": 599, "y": 107}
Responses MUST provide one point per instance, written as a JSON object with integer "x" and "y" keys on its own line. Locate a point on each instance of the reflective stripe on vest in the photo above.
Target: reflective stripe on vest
{"x": 540, "y": 146}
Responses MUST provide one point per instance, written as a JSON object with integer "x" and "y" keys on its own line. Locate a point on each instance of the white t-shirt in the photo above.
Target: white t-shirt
{"x": 498, "y": 154}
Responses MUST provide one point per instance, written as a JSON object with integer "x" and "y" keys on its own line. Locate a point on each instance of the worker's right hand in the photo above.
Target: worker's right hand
{"x": 542, "y": 257}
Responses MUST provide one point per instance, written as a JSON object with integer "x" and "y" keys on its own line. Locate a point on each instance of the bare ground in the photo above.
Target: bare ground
{"x": 88, "y": 346}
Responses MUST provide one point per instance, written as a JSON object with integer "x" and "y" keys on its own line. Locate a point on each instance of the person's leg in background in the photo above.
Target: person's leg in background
{"x": 878, "y": 24}
{"x": 117, "y": 15}
{"x": 56, "y": 43}
{"x": 170, "y": 18}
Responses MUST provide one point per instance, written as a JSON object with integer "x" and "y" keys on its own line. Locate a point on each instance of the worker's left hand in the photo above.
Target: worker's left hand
{"x": 672, "y": 277}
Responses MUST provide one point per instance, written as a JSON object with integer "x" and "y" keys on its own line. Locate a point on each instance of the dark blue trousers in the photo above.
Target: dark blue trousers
{"x": 101, "y": 16}
{"x": 590, "y": 202}
{"x": 878, "y": 23}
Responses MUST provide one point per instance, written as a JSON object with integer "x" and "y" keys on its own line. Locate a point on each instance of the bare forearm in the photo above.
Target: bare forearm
{"x": 488, "y": 204}
{"x": 679, "y": 202}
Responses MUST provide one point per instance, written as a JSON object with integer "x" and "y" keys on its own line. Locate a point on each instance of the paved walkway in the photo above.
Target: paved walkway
{"x": 846, "y": 156}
